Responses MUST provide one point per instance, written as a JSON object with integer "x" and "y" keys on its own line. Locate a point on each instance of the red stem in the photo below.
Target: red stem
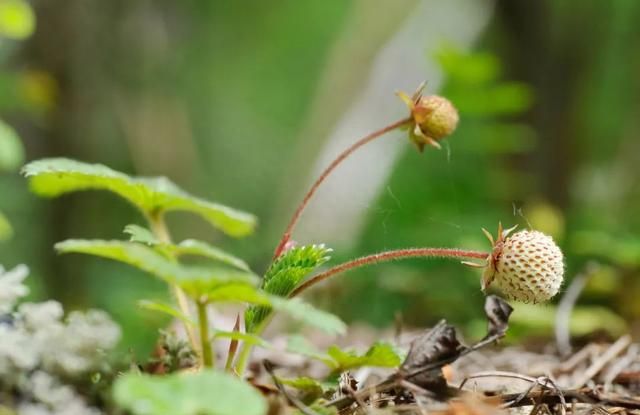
{"x": 296, "y": 215}
{"x": 389, "y": 256}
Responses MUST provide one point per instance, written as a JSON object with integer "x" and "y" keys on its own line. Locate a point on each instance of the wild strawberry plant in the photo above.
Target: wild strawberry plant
{"x": 525, "y": 266}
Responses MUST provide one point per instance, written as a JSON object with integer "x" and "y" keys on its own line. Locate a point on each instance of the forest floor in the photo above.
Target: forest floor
{"x": 441, "y": 375}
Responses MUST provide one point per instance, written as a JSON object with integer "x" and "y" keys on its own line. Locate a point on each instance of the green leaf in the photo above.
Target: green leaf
{"x": 165, "y": 309}
{"x": 187, "y": 247}
{"x": 284, "y": 274}
{"x": 238, "y": 293}
{"x": 200, "y": 248}
{"x": 6, "y": 231}
{"x": 195, "y": 281}
{"x": 292, "y": 263}
{"x": 245, "y": 337}
{"x": 11, "y": 151}
{"x": 310, "y": 388}
{"x": 56, "y": 176}
{"x": 296, "y": 308}
{"x": 141, "y": 235}
{"x": 17, "y": 20}
{"x": 204, "y": 393}
{"x": 380, "y": 354}
{"x": 303, "y": 383}
{"x": 308, "y": 314}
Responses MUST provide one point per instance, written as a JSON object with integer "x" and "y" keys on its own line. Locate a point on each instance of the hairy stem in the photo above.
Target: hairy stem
{"x": 341, "y": 157}
{"x": 389, "y": 256}
{"x": 245, "y": 353}
{"x": 206, "y": 351}
{"x": 161, "y": 232}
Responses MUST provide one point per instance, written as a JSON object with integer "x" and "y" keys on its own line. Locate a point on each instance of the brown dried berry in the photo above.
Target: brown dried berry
{"x": 526, "y": 266}
{"x": 436, "y": 116}
{"x": 433, "y": 118}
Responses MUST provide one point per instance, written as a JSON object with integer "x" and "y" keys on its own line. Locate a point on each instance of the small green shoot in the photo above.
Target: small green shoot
{"x": 284, "y": 274}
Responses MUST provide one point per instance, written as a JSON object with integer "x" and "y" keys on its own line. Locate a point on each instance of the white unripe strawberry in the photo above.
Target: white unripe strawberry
{"x": 526, "y": 266}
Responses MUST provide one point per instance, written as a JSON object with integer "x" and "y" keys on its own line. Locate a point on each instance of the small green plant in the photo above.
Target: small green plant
{"x": 222, "y": 277}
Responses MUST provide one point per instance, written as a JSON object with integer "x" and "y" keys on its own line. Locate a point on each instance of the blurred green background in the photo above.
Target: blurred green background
{"x": 242, "y": 102}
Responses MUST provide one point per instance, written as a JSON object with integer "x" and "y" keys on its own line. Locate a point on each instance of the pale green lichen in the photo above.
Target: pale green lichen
{"x": 41, "y": 350}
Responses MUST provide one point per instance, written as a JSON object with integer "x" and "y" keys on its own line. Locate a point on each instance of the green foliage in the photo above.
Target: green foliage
{"x": 380, "y": 354}
{"x": 308, "y": 314}
{"x": 6, "y": 231}
{"x": 17, "y": 20}
{"x": 284, "y": 274}
{"x": 187, "y": 247}
{"x": 530, "y": 320}
{"x": 141, "y": 235}
{"x": 295, "y": 307}
{"x": 152, "y": 195}
{"x": 204, "y": 393}
{"x": 622, "y": 250}
{"x": 11, "y": 151}
{"x": 310, "y": 388}
{"x": 195, "y": 281}
{"x": 203, "y": 249}
{"x": 475, "y": 85}
{"x": 165, "y": 309}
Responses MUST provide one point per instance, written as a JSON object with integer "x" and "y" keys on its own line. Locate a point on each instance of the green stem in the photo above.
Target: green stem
{"x": 327, "y": 171}
{"x": 161, "y": 232}
{"x": 206, "y": 351}
{"x": 243, "y": 358}
{"x": 247, "y": 348}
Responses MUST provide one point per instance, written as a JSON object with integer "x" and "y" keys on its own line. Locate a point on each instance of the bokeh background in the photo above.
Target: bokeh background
{"x": 243, "y": 102}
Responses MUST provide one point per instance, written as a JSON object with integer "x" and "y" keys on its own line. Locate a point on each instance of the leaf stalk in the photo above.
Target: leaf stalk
{"x": 161, "y": 231}
{"x": 206, "y": 351}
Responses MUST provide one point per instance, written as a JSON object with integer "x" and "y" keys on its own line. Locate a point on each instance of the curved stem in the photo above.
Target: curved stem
{"x": 161, "y": 232}
{"x": 245, "y": 352}
{"x": 389, "y": 256}
{"x": 206, "y": 351}
{"x": 346, "y": 153}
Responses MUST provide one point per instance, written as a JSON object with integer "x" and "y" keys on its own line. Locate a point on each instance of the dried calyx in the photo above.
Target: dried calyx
{"x": 526, "y": 266}
{"x": 434, "y": 118}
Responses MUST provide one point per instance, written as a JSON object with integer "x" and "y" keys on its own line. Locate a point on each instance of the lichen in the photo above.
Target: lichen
{"x": 42, "y": 353}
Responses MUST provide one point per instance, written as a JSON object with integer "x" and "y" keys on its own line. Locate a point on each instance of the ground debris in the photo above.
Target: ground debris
{"x": 600, "y": 378}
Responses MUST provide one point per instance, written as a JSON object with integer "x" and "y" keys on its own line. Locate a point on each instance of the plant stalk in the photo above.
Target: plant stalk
{"x": 206, "y": 351}
{"x": 245, "y": 353}
{"x": 161, "y": 232}
{"x": 389, "y": 256}
{"x": 243, "y": 358}
{"x": 327, "y": 171}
